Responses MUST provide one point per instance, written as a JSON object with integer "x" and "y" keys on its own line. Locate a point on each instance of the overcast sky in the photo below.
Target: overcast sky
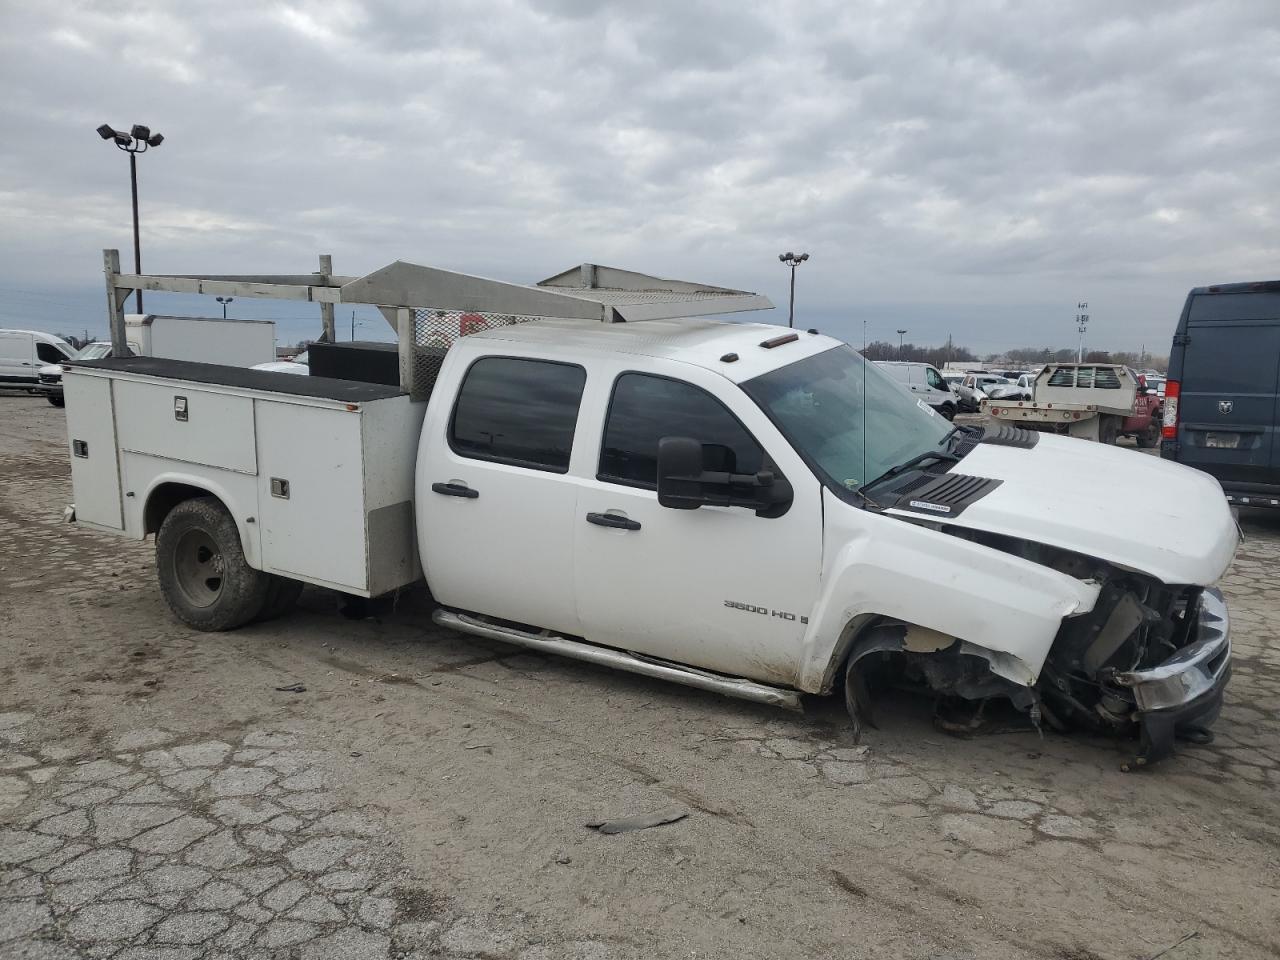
{"x": 972, "y": 169}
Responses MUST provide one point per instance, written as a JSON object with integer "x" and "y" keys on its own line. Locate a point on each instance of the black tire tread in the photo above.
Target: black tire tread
{"x": 282, "y": 596}
{"x": 244, "y": 589}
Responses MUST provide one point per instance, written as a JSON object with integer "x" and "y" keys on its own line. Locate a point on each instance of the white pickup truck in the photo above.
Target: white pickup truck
{"x": 736, "y": 507}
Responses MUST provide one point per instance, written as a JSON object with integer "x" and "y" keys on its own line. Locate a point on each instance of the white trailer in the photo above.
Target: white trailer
{"x": 223, "y": 340}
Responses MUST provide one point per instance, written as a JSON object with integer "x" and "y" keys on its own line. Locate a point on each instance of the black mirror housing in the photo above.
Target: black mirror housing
{"x": 680, "y": 473}
{"x": 685, "y": 484}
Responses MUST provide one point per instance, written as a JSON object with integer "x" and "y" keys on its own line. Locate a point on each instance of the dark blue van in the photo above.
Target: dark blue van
{"x": 1222, "y": 400}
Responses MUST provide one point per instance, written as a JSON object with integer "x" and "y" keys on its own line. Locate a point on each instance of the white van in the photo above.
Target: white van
{"x": 24, "y": 352}
{"x": 924, "y": 380}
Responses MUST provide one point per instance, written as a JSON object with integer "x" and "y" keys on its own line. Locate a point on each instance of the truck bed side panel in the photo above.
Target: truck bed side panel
{"x": 313, "y": 527}
{"x": 91, "y": 432}
{"x": 238, "y": 492}
{"x": 391, "y": 431}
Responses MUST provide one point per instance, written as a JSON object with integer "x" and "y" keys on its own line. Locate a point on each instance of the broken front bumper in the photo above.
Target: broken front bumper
{"x": 1183, "y": 695}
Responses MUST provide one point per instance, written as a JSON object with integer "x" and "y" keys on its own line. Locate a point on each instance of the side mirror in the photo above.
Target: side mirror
{"x": 683, "y": 484}
{"x": 680, "y": 473}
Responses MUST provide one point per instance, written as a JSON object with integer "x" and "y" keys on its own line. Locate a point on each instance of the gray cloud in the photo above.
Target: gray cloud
{"x": 967, "y": 169}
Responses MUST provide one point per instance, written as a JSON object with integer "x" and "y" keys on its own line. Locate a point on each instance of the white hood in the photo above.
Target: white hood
{"x": 1118, "y": 505}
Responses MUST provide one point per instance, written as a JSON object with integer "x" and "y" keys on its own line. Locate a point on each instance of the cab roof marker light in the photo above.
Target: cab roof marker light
{"x": 779, "y": 341}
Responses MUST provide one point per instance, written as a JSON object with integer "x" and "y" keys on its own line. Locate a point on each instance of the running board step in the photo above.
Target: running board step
{"x": 620, "y": 660}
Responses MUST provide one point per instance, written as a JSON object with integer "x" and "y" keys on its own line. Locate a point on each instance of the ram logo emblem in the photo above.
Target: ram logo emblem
{"x": 1225, "y": 406}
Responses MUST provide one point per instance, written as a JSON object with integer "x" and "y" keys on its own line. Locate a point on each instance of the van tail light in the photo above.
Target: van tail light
{"x": 1169, "y": 429}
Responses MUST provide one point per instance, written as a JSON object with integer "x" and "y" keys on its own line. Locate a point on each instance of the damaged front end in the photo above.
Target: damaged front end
{"x": 1149, "y": 657}
{"x": 1149, "y": 661}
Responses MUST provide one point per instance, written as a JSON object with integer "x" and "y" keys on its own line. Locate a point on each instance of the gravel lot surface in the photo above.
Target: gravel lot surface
{"x": 427, "y": 795}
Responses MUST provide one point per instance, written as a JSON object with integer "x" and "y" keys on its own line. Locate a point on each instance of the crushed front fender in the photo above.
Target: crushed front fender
{"x": 1181, "y": 697}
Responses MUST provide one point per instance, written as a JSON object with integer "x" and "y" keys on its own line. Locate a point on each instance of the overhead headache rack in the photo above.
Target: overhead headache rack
{"x": 429, "y": 307}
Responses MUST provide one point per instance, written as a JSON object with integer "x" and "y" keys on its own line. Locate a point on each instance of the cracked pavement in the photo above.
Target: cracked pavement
{"x": 427, "y": 795}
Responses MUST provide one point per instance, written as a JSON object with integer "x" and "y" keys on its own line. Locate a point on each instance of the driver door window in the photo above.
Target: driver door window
{"x": 935, "y": 380}
{"x": 646, "y": 408}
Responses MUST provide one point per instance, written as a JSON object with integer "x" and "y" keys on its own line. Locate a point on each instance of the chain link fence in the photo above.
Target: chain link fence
{"x": 434, "y": 332}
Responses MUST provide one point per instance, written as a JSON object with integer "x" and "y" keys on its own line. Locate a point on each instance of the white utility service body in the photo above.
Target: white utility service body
{"x": 318, "y": 474}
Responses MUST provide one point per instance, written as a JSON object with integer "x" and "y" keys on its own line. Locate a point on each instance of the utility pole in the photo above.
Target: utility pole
{"x": 901, "y": 334}
{"x": 793, "y": 260}
{"x": 326, "y": 309}
{"x": 864, "y": 336}
{"x": 1082, "y": 321}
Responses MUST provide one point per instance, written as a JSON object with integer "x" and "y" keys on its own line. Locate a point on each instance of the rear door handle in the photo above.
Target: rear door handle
{"x": 455, "y": 490}
{"x": 613, "y": 520}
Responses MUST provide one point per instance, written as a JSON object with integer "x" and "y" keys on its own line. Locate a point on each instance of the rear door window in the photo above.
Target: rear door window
{"x": 517, "y": 411}
{"x": 646, "y": 408}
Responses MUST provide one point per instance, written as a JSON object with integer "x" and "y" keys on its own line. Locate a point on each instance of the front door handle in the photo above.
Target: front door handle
{"x": 612, "y": 520}
{"x": 455, "y": 490}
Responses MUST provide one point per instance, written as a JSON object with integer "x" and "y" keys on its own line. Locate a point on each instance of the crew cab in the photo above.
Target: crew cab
{"x": 742, "y": 509}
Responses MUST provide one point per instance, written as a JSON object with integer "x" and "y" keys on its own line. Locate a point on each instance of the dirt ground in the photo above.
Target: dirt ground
{"x": 426, "y": 796}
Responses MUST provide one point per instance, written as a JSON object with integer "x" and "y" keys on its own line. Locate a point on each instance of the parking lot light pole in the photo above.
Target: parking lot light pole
{"x": 224, "y": 301}
{"x": 136, "y": 141}
{"x": 901, "y": 334}
{"x": 1082, "y": 324}
{"x": 793, "y": 260}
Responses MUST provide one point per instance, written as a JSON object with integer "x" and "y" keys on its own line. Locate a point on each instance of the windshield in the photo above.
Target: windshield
{"x": 93, "y": 351}
{"x": 846, "y": 417}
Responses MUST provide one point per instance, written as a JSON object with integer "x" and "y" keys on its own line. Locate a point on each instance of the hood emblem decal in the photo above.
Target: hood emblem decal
{"x": 1225, "y": 406}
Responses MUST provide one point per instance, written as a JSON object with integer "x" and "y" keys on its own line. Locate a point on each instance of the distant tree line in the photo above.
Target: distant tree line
{"x": 938, "y": 356}
{"x": 1020, "y": 357}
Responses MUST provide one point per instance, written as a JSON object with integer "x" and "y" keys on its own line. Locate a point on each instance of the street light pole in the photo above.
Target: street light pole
{"x": 137, "y": 244}
{"x": 793, "y": 260}
{"x": 1082, "y": 321}
{"x": 901, "y": 334}
{"x": 224, "y": 301}
{"x": 136, "y": 141}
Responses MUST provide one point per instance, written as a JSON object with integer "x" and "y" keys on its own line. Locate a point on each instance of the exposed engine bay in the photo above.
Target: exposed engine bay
{"x": 1149, "y": 661}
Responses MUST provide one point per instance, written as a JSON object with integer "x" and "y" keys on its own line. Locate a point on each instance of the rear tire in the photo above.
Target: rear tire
{"x": 57, "y": 401}
{"x": 203, "y": 574}
{"x": 1150, "y": 437}
{"x": 1109, "y": 429}
{"x": 282, "y": 596}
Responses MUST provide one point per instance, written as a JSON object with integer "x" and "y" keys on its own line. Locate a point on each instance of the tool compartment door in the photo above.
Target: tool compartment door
{"x": 182, "y": 421}
{"x": 91, "y": 434}
{"x": 311, "y": 498}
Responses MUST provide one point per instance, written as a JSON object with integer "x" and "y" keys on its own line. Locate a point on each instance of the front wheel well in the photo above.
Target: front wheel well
{"x": 163, "y": 499}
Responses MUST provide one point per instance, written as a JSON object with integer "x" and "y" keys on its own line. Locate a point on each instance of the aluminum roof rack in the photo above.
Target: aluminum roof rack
{"x": 405, "y": 291}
